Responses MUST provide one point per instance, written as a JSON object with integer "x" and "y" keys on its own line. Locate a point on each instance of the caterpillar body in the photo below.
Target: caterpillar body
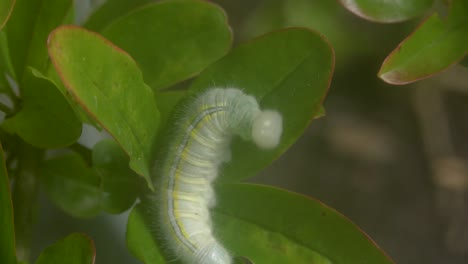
{"x": 199, "y": 147}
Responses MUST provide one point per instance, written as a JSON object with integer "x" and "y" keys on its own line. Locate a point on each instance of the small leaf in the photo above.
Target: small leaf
{"x": 7, "y": 239}
{"x": 172, "y": 40}
{"x": 289, "y": 71}
{"x": 387, "y": 11}
{"x": 118, "y": 181}
{"x": 72, "y": 185}
{"x": 46, "y": 120}
{"x": 111, "y": 10}
{"x": 82, "y": 191}
{"x": 283, "y": 227}
{"x": 74, "y": 249}
{"x": 140, "y": 235}
{"x": 110, "y": 87}
{"x": 433, "y": 46}
{"x": 6, "y": 6}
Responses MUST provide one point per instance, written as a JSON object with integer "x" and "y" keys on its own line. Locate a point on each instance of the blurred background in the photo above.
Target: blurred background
{"x": 390, "y": 158}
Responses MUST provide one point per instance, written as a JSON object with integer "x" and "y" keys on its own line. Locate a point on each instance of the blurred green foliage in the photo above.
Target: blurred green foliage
{"x": 143, "y": 59}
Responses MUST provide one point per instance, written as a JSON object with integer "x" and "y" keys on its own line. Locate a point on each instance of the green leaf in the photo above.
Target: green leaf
{"x": 6, "y": 6}
{"x": 83, "y": 191}
{"x": 387, "y": 11}
{"x": 278, "y": 227}
{"x": 111, "y": 10}
{"x": 74, "y": 249}
{"x": 72, "y": 185}
{"x": 46, "y": 120}
{"x": 110, "y": 87}
{"x": 167, "y": 101}
{"x": 433, "y": 46}
{"x": 27, "y": 30}
{"x": 172, "y": 40}
{"x": 82, "y": 115}
{"x": 7, "y": 239}
{"x": 140, "y": 235}
{"x": 289, "y": 71}
{"x": 261, "y": 245}
{"x": 118, "y": 181}
{"x": 283, "y": 227}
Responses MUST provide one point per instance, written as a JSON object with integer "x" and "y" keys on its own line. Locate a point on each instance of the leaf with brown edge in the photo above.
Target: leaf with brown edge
{"x": 109, "y": 85}
{"x": 271, "y": 225}
{"x": 74, "y": 249}
{"x": 264, "y": 225}
{"x": 435, "y": 45}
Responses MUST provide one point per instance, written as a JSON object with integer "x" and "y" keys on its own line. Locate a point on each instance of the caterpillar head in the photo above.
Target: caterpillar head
{"x": 267, "y": 128}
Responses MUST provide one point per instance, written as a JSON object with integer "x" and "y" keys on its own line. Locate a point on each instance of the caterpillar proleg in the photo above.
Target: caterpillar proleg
{"x": 199, "y": 146}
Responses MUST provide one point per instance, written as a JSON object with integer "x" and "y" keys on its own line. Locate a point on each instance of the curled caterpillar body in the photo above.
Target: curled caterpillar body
{"x": 200, "y": 146}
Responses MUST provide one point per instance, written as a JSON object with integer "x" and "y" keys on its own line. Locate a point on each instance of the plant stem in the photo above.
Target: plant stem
{"x": 25, "y": 199}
